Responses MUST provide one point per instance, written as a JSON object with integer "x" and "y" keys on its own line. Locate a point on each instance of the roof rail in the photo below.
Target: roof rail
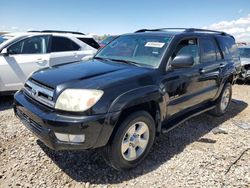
{"x": 159, "y": 29}
{"x": 182, "y": 29}
{"x": 205, "y": 30}
{"x": 58, "y": 31}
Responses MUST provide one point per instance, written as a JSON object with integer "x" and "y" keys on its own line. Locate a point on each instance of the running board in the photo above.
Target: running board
{"x": 171, "y": 124}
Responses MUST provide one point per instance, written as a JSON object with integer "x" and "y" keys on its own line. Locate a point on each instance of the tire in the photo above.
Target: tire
{"x": 132, "y": 154}
{"x": 220, "y": 108}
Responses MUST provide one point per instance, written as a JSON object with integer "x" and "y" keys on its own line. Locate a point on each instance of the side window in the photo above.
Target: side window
{"x": 91, "y": 42}
{"x": 32, "y": 45}
{"x": 63, "y": 44}
{"x": 188, "y": 47}
{"x": 15, "y": 48}
{"x": 208, "y": 50}
{"x": 218, "y": 52}
{"x": 228, "y": 47}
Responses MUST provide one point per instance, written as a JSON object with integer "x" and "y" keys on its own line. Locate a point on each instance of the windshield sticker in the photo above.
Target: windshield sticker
{"x": 155, "y": 44}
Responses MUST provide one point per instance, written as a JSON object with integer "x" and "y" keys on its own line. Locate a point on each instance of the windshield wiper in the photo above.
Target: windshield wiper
{"x": 126, "y": 61}
{"x": 119, "y": 60}
{"x": 101, "y": 58}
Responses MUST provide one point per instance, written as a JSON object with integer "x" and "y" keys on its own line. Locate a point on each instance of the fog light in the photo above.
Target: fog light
{"x": 70, "y": 137}
{"x": 76, "y": 137}
{"x": 62, "y": 137}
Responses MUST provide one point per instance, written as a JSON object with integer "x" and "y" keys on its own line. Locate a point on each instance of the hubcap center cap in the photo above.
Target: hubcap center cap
{"x": 134, "y": 140}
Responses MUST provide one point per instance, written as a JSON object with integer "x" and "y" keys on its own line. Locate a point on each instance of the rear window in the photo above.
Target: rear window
{"x": 228, "y": 47}
{"x": 91, "y": 42}
{"x": 62, "y": 44}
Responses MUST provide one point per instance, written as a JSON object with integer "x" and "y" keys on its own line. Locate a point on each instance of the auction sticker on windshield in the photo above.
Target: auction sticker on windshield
{"x": 155, "y": 44}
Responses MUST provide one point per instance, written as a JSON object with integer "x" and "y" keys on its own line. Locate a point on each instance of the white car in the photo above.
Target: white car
{"x": 245, "y": 62}
{"x": 23, "y": 53}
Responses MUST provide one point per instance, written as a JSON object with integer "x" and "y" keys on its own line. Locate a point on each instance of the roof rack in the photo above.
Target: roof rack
{"x": 182, "y": 29}
{"x": 57, "y": 31}
{"x": 205, "y": 30}
{"x": 159, "y": 29}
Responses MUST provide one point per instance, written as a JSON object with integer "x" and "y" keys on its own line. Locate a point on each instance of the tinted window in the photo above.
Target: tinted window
{"x": 146, "y": 50}
{"x": 91, "y": 42}
{"x": 188, "y": 47}
{"x": 62, "y": 44}
{"x": 32, "y": 45}
{"x": 218, "y": 52}
{"x": 208, "y": 50}
{"x": 228, "y": 47}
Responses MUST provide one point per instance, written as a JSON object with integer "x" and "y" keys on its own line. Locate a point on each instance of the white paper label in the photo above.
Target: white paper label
{"x": 155, "y": 44}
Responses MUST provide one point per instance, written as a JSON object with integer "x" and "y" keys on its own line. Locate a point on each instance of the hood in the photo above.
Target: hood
{"x": 245, "y": 61}
{"x": 90, "y": 71}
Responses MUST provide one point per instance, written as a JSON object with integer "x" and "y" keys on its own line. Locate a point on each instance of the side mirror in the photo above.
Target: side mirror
{"x": 182, "y": 61}
{"x": 4, "y": 52}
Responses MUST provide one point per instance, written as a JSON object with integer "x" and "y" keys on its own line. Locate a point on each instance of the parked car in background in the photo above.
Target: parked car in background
{"x": 3, "y": 38}
{"x": 139, "y": 85}
{"x": 23, "y": 53}
{"x": 245, "y": 62}
{"x": 107, "y": 40}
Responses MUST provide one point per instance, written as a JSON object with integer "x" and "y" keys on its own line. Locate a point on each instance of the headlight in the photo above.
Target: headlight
{"x": 77, "y": 100}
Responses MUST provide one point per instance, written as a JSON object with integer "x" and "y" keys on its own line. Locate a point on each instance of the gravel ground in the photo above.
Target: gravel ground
{"x": 203, "y": 152}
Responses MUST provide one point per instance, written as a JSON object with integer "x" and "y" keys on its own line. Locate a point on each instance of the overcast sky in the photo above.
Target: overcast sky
{"x": 117, "y": 17}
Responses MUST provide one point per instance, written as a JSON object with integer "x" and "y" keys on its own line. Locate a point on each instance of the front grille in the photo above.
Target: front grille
{"x": 40, "y": 93}
{"x": 29, "y": 121}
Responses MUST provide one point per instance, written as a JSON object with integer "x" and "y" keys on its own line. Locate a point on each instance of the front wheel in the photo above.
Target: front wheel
{"x": 132, "y": 141}
{"x": 223, "y": 101}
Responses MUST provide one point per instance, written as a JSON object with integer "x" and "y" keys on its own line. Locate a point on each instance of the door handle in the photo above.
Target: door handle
{"x": 222, "y": 65}
{"x": 202, "y": 71}
{"x": 41, "y": 62}
{"x": 75, "y": 55}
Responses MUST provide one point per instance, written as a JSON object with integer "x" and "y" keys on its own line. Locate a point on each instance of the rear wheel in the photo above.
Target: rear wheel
{"x": 223, "y": 101}
{"x": 131, "y": 142}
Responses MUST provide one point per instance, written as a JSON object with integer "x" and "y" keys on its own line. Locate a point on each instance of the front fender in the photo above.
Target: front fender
{"x": 139, "y": 96}
{"x": 129, "y": 99}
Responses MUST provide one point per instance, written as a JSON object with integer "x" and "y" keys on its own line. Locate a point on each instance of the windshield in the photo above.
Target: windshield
{"x": 2, "y": 39}
{"x": 108, "y": 39}
{"x": 143, "y": 50}
{"x": 244, "y": 52}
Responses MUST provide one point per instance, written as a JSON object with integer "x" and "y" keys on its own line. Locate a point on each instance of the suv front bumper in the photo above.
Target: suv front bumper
{"x": 44, "y": 123}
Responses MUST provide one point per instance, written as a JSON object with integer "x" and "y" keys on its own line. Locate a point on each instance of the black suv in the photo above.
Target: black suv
{"x": 139, "y": 85}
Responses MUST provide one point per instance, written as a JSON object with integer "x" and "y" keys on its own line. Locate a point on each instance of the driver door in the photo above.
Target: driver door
{"x": 183, "y": 84}
{"x": 22, "y": 58}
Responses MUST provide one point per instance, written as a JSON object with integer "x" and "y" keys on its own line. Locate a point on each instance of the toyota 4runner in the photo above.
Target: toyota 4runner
{"x": 139, "y": 85}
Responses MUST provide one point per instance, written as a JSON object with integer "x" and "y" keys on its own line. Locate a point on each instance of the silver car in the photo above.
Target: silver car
{"x": 23, "y": 53}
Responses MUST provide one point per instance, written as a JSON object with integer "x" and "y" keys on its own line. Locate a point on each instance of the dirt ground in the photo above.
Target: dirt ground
{"x": 205, "y": 151}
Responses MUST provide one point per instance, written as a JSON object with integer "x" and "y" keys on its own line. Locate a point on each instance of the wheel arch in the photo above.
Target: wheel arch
{"x": 149, "y": 99}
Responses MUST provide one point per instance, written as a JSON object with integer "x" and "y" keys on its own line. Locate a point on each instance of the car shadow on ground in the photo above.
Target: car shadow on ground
{"x": 89, "y": 166}
{"x": 6, "y": 102}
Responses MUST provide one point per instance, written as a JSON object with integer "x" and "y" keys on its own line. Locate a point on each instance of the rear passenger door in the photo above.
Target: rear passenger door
{"x": 63, "y": 50}
{"x": 211, "y": 66}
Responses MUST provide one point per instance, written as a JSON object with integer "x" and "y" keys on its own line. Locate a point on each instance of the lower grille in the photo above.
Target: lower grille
{"x": 29, "y": 121}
